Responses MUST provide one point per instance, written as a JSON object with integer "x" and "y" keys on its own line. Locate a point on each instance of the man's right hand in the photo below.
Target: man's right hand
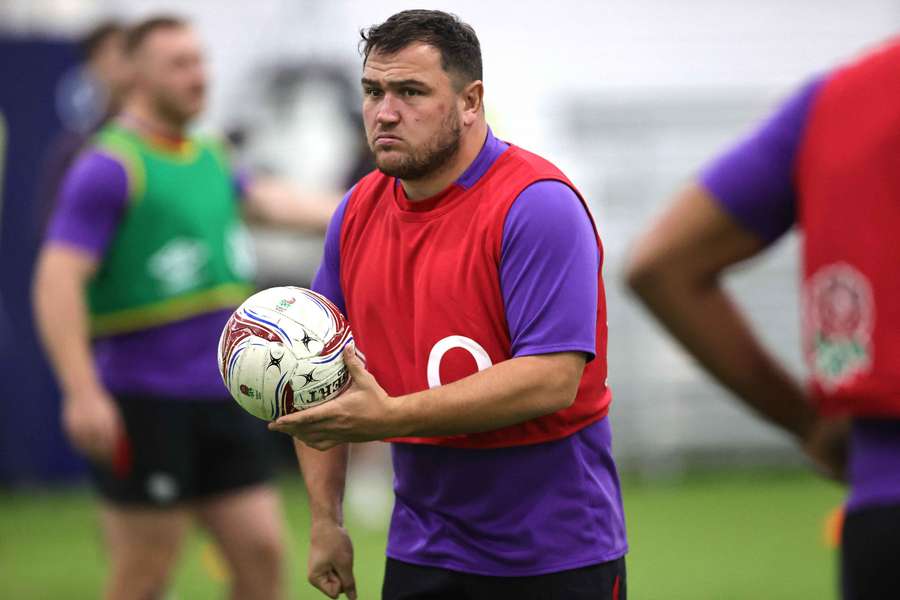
{"x": 330, "y": 567}
{"x": 93, "y": 423}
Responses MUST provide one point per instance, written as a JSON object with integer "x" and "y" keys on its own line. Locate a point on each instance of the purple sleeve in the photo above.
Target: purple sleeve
{"x": 548, "y": 272}
{"x": 92, "y": 198}
{"x": 754, "y": 180}
{"x": 241, "y": 179}
{"x": 328, "y": 278}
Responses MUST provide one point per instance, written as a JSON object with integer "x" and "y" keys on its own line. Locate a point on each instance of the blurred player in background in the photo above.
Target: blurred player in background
{"x": 88, "y": 101}
{"x": 470, "y": 271}
{"x": 107, "y": 67}
{"x": 828, "y": 161}
{"x": 144, "y": 260}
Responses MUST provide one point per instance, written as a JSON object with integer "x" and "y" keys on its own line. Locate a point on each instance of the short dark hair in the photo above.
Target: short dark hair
{"x": 456, "y": 40}
{"x": 138, "y": 32}
{"x": 91, "y": 43}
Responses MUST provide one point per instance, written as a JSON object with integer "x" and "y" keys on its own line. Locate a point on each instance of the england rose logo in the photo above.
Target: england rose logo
{"x": 839, "y": 315}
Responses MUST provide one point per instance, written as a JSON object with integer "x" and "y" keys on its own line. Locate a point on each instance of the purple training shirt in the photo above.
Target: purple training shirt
{"x": 525, "y": 510}
{"x": 177, "y": 360}
{"x": 754, "y": 182}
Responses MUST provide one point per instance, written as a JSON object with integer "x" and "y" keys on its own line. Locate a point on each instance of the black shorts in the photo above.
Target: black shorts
{"x": 181, "y": 450}
{"x": 870, "y": 554}
{"x": 405, "y": 581}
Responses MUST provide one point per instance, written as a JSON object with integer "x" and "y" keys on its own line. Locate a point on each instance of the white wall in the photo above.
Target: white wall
{"x": 534, "y": 50}
{"x": 629, "y": 96}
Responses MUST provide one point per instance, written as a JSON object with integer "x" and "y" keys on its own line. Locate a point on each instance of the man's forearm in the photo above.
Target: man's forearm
{"x": 702, "y": 317}
{"x": 675, "y": 269}
{"x": 276, "y": 203}
{"x": 507, "y": 393}
{"x": 325, "y": 475}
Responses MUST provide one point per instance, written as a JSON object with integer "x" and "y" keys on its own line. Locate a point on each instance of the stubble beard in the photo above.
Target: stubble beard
{"x": 172, "y": 112}
{"x": 426, "y": 161}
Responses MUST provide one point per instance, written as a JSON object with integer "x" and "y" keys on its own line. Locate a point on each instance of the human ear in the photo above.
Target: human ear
{"x": 472, "y": 101}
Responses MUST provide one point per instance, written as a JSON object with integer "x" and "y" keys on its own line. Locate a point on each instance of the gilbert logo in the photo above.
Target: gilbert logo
{"x": 838, "y": 318}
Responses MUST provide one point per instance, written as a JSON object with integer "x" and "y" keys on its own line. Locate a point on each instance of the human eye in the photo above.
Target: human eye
{"x": 374, "y": 92}
{"x": 410, "y": 92}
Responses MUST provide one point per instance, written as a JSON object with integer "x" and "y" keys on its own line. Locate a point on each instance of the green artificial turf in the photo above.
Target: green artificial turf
{"x": 732, "y": 537}
{"x": 710, "y": 536}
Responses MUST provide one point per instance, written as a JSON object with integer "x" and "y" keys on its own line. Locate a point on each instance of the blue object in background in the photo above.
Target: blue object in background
{"x": 33, "y": 448}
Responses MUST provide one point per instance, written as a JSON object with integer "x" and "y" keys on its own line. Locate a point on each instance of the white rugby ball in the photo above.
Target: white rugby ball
{"x": 280, "y": 352}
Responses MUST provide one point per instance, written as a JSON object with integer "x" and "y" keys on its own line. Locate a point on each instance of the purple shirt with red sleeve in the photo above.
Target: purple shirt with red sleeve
{"x": 547, "y": 507}
{"x": 754, "y": 182}
{"x": 176, "y": 360}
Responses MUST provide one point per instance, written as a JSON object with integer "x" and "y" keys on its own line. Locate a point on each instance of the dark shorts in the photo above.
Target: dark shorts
{"x": 870, "y": 554}
{"x": 181, "y": 450}
{"x": 405, "y": 581}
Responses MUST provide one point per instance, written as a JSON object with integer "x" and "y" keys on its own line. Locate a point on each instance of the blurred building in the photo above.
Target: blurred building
{"x": 628, "y": 96}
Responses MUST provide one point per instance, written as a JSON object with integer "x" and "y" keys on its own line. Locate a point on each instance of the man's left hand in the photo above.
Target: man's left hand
{"x": 361, "y": 414}
{"x": 827, "y": 444}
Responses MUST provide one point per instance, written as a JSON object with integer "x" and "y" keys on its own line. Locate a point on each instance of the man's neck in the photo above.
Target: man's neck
{"x": 138, "y": 115}
{"x": 470, "y": 145}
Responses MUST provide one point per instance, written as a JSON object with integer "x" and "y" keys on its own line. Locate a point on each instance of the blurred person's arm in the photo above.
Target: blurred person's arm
{"x": 676, "y": 268}
{"x": 89, "y": 414}
{"x": 92, "y": 198}
{"x": 741, "y": 205}
{"x": 274, "y": 201}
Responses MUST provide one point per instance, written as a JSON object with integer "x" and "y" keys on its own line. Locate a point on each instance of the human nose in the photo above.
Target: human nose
{"x": 388, "y": 112}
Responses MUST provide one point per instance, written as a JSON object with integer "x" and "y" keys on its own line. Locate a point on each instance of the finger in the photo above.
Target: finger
{"x": 354, "y": 365}
{"x": 286, "y": 425}
{"x": 290, "y": 428}
{"x": 96, "y": 443}
{"x": 327, "y": 583}
{"x": 119, "y": 431}
{"x": 85, "y": 445}
{"x": 111, "y": 430}
{"x": 84, "y": 438}
{"x": 309, "y": 416}
{"x": 93, "y": 448}
{"x": 345, "y": 573}
{"x": 295, "y": 418}
{"x": 287, "y": 428}
{"x": 102, "y": 453}
{"x": 107, "y": 438}
{"x": 313, "y": 439}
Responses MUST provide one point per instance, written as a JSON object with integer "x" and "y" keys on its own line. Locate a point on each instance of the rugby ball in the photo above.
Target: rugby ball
{"x": 280, "y": 352}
